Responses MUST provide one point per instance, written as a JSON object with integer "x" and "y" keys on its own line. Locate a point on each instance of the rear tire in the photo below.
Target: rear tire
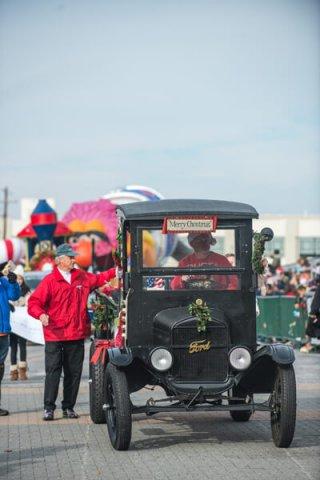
{"x": 118, "y": 412}
{"x": 283, "y": 414}
{"x": 96, "y": 390}
{"x": 239, "y": 415}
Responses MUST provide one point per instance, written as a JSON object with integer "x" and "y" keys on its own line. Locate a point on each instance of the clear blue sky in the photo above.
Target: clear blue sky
{"x": 195, "y": 98}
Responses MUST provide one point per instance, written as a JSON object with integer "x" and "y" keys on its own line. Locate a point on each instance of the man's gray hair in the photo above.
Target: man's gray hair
{"x": 57, "y": 259}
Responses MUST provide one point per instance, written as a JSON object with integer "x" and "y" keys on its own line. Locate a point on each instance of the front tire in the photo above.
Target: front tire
{"x": 96, "y": 390}
{"x": 284, "y": 404}
{"x": 118, "y": 408}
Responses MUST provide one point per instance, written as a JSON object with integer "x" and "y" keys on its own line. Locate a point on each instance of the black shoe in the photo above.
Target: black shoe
{"x": 69, "y": 413}
{"x": 3, "y": 412}
{"x": 48, "y": 415}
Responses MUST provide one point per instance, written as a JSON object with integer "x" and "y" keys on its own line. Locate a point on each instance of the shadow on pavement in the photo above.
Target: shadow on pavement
{"x": 17, "y": 459}
{"x": 211, "y": 430}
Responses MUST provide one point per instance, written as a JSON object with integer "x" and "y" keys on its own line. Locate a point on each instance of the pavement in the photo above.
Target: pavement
{"x": 165, "y": 446}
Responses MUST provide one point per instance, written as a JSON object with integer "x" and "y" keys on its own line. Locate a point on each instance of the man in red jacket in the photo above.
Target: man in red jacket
{"x": 60, "y": 303}
{"x": 204, "y": 257}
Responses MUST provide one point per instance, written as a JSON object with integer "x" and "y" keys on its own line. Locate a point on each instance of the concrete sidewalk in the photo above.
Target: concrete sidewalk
{"x": 165, "y": 446}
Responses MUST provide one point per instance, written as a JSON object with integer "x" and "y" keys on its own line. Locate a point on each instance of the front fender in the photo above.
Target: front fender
{"x": 260, "y": 376}
{"x": 120, "y": 357}
{"x": 281, "y": 354}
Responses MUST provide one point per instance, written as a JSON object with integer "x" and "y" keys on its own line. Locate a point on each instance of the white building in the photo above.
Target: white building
{"x": 294, "y": 235}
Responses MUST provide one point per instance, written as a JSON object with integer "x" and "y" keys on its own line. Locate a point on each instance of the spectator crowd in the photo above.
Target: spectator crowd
{"x": 286, "y": 280}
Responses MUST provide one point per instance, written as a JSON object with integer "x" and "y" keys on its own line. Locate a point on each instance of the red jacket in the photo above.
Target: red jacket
{"x": 227, "y": 282}
{"x": 65, "y": 303}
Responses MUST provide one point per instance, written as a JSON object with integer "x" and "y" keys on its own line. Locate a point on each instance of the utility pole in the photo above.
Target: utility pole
{"x": 5, "y": 210}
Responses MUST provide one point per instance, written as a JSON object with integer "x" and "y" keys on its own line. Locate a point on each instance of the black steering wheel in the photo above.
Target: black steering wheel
{"x": 202, "y": 284}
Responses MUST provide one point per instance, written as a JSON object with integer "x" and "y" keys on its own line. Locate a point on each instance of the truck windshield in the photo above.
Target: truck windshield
{"x": 191, "y": 251}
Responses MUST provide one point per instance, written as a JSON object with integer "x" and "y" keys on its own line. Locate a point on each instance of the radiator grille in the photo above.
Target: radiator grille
{"x": 211, "y": 365}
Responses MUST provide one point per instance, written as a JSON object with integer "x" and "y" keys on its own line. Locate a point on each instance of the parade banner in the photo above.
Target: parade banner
{"x": 26, "y": 326}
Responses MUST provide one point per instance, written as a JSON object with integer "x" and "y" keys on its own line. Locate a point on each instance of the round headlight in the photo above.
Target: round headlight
{"x": 161, "y": 359}
{"x": 240, "y": 358}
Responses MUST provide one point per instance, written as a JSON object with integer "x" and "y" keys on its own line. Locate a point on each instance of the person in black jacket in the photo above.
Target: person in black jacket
{"x": 313, "y": 326}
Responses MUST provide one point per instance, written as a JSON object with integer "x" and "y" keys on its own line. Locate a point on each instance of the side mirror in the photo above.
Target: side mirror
{"x": 267, "y": 234}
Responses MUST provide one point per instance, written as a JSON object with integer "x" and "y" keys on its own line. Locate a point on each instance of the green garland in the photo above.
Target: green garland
{"x": 104, "y": 312}
{"x": 201, "y": 311}
{"x": 258, "y": 251}
{"x": 118, "y": 251}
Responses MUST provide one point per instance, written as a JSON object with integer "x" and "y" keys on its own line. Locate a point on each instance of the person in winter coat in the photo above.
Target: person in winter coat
{"x": 18, "y": 370}
{"x": 60, "y": 303}
{"x": 9, "y": 290}
{"x": 313, "y": 325}
{"x": 204, "y": 257}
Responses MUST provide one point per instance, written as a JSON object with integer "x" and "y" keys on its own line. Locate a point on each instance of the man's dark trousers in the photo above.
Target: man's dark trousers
{"x": 69, "y": 357}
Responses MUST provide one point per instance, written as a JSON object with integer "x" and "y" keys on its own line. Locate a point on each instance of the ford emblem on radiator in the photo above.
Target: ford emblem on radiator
{"x": 200, "y": 346}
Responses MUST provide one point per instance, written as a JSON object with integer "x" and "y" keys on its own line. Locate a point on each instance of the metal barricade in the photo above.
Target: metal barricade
{"x": 279, "y": 320}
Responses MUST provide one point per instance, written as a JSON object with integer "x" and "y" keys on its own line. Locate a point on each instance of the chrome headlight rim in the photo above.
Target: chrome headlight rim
{"x": 246, "y": 366}
{"x": 170, "y": 356}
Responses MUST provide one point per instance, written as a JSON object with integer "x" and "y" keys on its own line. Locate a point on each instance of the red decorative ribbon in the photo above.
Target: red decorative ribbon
{"x": 118, "y": 339}
{"x": 100, "y": 352}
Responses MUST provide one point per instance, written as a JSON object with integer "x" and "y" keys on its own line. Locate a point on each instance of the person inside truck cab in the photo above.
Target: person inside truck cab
{"x": 203, "y": 256}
